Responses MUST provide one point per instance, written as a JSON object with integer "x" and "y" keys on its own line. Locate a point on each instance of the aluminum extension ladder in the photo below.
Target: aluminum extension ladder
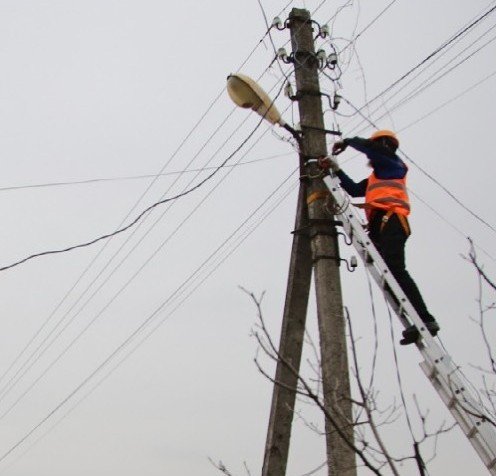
{"x": 437, "y": 365}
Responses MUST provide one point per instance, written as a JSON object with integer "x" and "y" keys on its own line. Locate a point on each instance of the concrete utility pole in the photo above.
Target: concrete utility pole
{"x": 315, "y": 242}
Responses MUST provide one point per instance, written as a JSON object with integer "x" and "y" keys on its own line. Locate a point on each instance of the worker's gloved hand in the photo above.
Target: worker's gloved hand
{"x": 329, "y": 163}
{"x": 338, "y": 147}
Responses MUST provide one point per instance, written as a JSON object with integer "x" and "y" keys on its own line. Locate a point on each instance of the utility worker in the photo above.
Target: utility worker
{"x": 387, "y": 207}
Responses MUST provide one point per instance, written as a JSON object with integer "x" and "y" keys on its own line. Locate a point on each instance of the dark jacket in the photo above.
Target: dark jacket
{"x": 385, "y": 163}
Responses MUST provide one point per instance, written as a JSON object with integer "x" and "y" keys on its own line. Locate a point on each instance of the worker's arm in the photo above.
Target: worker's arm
{"x": 386, "y": 164}
{"x": 353, "y": 189}
{"x": 365, "y": 146}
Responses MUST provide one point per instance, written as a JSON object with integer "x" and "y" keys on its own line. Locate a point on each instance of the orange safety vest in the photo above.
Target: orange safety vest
{"x": 390, "y": 195}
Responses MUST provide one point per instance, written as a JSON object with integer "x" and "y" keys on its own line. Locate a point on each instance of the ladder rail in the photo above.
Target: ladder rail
{"x": 438, "y": 366}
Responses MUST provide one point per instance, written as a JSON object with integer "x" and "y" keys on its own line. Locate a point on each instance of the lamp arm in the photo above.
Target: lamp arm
{"x": 292, "y": 131}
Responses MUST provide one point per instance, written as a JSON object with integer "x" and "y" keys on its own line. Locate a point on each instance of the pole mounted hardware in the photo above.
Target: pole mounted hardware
{"x": 279, "y": 24}
{"x": 336, "y": 101}
{"x": 324, "y": 32}
{"x": 282, "y": 54}
{"x": 314, "y": 238}
{"x": 308, "y": 253}
{"x": 332, "y": 59}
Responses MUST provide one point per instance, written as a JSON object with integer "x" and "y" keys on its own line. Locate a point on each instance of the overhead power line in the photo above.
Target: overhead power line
{"x": 241, "y": 240}
{"x": 151, "y": 318}
{"x": 155, "y": 176}
{"x": 141, "y": 215}
{"x": 443, "y": 53}
{"x": 110, "y": 260}
{"x": 180, "y": 146}
{"x": 432, "y": 79}
{"x": 37, "y": 352}
{"x": 449, "y": 101}
{"x": 361, "y": 32}
{"x": 134, "y": 177}
{"x": 431, "y": 55}
{"x": 451, "y": 225}
{"x": 121, "y": 229}
{"x": 10, "y": 384}
{"x": 48, "y": 340}
{"x": 448, "y": 192}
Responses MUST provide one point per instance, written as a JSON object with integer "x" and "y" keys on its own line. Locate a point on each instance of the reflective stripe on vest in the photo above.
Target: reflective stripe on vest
{"x": 390, "y": 195}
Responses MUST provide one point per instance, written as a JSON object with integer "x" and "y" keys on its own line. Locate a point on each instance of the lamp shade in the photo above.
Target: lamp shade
{"x": 247, "y": 93}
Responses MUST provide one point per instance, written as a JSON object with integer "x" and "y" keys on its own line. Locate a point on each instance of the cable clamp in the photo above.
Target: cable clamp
{"x": 327, "y": 131}
{"x": 305, "y": 92}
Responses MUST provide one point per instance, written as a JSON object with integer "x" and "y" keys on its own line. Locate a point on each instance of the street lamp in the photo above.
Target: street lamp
{"x": 246, "y": 93}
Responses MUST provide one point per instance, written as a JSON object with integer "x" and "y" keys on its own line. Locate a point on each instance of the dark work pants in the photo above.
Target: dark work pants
{"x": 390, "y": 242}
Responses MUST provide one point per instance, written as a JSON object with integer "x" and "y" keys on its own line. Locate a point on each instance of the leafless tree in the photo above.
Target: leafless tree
{"x": 369, "y": 418}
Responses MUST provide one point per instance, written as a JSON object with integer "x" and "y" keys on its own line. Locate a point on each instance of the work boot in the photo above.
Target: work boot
{"x": 411, "y": 334}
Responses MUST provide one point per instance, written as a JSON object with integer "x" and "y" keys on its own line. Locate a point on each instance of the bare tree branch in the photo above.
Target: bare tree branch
{"x": 220, "y": 466}
{"x": 268, "y": 346}
{"x": 473, "y": 259}
{"x": 369, "y": 445}
{"x": 364, "y": 396}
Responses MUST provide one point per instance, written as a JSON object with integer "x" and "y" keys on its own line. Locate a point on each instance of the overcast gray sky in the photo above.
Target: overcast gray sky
{"x": 112, "y": 89}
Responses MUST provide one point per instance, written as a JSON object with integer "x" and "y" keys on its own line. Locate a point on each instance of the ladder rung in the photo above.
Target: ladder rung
{"x": 452, "y": 403}
{"x": 473, "y": 432}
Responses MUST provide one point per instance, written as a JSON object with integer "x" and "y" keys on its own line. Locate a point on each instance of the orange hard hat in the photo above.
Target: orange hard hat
{"x": 385, "y": 133}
